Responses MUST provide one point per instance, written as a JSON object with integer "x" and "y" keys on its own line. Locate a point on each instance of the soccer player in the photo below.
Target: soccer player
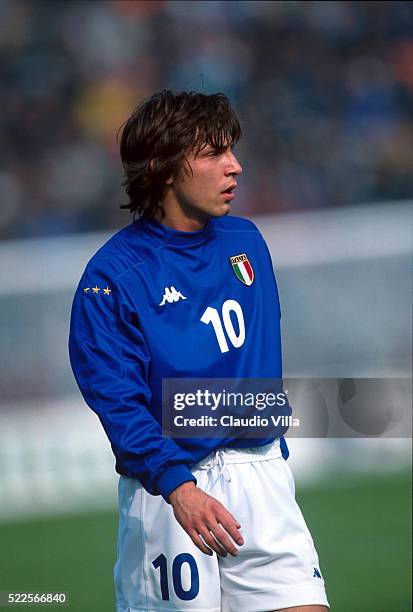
{"x": 188, "y": 291}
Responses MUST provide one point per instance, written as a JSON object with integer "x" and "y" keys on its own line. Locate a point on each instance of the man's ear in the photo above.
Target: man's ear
{"x": 169, "y": 180}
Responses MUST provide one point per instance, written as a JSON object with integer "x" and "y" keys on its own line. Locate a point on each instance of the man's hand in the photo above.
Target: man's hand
{"x": 205, "y": 520}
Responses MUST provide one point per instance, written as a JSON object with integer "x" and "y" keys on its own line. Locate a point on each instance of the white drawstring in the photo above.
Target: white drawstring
{"x": 221, "y": 462}
{"x": 218, "y": 460}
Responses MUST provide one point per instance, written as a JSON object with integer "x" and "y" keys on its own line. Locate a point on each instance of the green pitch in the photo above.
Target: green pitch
{"x": 361, "y": 529}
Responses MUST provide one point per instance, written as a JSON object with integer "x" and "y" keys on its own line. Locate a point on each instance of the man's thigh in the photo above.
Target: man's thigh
{"x": 277, "y": 568}
{"x": 158, "y": 567}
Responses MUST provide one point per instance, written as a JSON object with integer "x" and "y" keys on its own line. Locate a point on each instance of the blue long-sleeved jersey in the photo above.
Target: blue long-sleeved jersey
{"x": 158, "y": 303}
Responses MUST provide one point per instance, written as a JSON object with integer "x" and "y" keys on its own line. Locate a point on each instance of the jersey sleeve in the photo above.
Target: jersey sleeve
{"x": 269, "y": 258}
{"x": 111, "y": 362}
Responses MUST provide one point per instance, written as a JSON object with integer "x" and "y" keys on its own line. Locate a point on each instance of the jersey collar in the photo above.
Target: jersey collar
{"x": 167, "y": 235}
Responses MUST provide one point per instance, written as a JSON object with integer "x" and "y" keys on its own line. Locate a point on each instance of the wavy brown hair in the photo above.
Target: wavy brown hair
{"x": 159, "y": 134}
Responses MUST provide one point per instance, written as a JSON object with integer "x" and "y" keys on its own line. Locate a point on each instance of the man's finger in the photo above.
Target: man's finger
{"x": 231, "y": 527}
{"x": 212, "y": 542}
{"x": 223, "y": 539}
{"x": 199, "y": 543}
{"x": 223, "y": 513}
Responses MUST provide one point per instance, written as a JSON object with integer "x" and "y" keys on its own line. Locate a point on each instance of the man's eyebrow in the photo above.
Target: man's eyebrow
{"x": 205, "y": 149}
{"x": 209, "y": 147}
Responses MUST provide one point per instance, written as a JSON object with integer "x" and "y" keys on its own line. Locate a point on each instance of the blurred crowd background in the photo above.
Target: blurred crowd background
{"x": 324, "y": 91}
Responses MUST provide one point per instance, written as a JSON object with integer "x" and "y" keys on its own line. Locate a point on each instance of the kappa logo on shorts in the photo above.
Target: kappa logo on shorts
{"x": 316, "y": 573}
{"x": 171, "y": 295}
{"x": 242, "y": 269}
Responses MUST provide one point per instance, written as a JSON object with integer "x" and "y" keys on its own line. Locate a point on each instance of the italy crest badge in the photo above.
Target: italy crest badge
{"x": 242, "y": 269}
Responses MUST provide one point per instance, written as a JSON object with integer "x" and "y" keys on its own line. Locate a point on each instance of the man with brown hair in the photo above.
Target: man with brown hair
{"x": 186, "y": 291}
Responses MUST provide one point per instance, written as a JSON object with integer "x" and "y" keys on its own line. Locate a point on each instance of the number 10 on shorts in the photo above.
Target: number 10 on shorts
{"x": 180, "y": 560}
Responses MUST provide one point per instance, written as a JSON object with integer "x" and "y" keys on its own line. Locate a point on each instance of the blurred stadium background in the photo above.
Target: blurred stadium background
{"x": 325, "y": 95}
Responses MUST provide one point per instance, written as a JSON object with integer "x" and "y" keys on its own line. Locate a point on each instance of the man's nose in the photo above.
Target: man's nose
{"x": 234, "y": 167}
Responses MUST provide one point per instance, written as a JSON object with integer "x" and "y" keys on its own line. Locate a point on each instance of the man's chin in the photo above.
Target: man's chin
{"x": 222, "y": 210}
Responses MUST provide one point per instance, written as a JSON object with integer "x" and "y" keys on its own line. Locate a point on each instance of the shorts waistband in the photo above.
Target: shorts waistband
{"x": 240, "y": 455}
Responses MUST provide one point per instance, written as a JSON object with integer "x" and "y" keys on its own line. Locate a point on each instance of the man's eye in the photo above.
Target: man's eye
{"x": 216, "y": 152}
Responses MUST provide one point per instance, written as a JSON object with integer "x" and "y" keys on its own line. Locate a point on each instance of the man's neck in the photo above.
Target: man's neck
{"x": 177, "y": 219}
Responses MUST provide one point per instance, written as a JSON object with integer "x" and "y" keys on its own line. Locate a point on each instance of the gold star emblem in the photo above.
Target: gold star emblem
{"x": 86, "y": 289}
{"x": 107, "y": 291}
{"x": 96, "y": 289}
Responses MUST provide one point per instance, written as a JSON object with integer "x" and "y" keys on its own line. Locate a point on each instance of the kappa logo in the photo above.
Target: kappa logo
{"x": 316, "y": 573}
{"x": 171, "y": 295}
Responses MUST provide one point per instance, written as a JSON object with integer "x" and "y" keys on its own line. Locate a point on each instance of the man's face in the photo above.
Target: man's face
{"x": 206, "y": 188}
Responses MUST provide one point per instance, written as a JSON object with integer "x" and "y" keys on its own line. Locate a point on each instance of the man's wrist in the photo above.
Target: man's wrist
{"x": 172, "y": 477}
{"x": 182, "y": 488}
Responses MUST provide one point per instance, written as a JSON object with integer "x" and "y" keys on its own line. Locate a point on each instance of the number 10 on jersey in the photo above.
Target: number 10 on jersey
{"x": 211, "y": 315}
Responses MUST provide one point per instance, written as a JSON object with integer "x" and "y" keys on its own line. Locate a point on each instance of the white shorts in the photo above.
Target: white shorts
{"x": 160, "y": 569}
